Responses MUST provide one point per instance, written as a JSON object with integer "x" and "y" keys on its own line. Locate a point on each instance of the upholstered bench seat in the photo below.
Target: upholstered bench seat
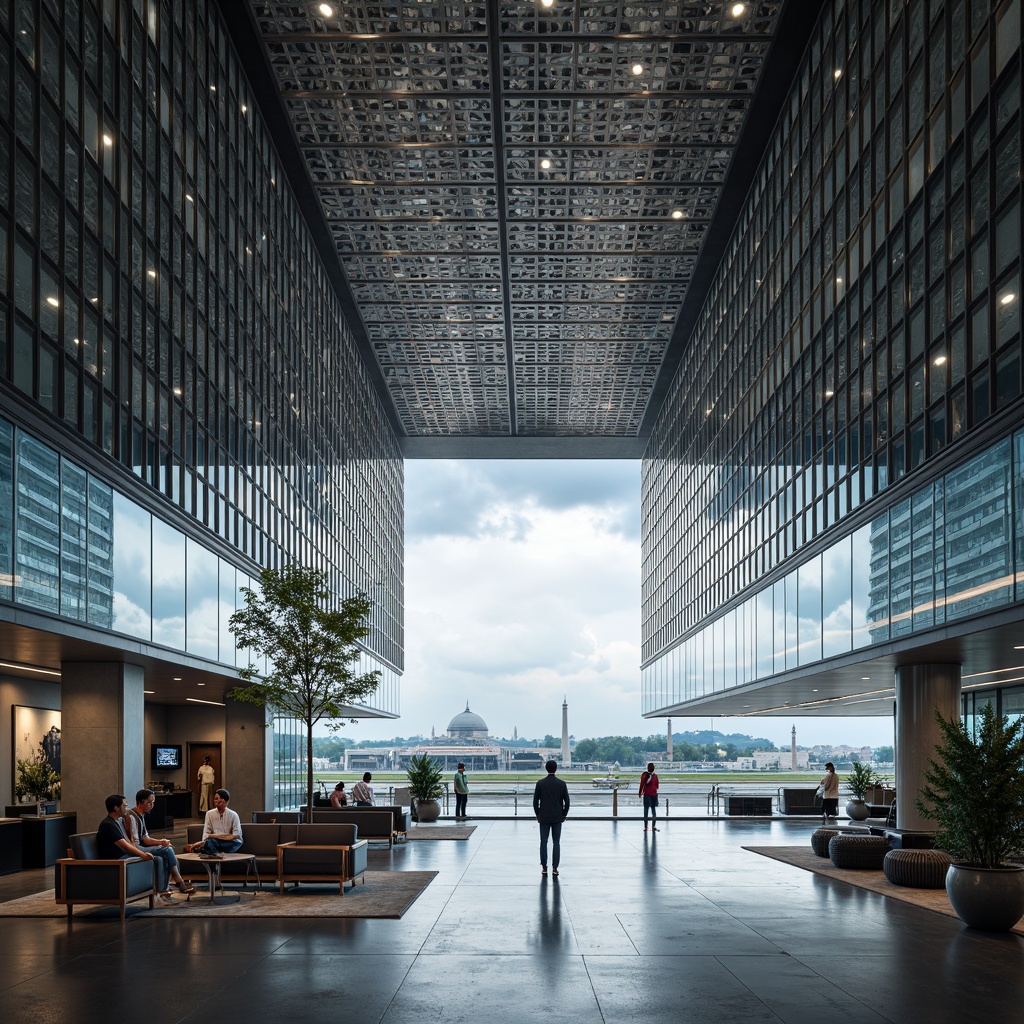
{"x": 857, "y": 851}
{"x": 917, "y": 869}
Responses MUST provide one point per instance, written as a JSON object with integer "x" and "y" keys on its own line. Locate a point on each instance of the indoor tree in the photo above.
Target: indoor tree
{"x": 311, "y": 641}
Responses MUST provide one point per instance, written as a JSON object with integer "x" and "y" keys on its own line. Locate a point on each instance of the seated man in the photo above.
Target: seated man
{"x": 111, "y": 841}
{"x": 166, "y": 862}
{"x": 222, "y": 832}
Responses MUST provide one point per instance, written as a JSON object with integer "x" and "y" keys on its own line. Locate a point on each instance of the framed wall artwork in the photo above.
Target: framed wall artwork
{"x": 35, "y": 730}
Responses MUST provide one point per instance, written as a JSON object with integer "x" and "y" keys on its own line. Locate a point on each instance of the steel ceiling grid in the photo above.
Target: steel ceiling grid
{"x": 423, "y": 127}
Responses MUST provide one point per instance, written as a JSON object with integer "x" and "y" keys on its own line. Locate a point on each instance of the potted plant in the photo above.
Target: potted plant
{"x": 859, "y": 781}
{"x": 975, "y": 795}
{"x": 36, "y": 780}
{"x": 425, "y": 786}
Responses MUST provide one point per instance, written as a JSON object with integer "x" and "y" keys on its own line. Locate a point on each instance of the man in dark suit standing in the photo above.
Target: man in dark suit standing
{"x": 551, "y": 805}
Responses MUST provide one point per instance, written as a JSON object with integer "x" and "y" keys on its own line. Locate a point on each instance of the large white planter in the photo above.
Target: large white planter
{"x": 427, "y": 810}
{"x": 857, "y": 809}
{"x": 989, "y": 898}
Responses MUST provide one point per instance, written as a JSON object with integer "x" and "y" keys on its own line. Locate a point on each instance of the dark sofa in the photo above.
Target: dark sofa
{"x": 84, "y": 878}
{"x": 377, "y": 824}
{"x": 260, "y": 839}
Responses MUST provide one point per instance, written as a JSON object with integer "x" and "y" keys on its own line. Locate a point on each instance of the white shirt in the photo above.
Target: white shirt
{"x": 218, "y": 824}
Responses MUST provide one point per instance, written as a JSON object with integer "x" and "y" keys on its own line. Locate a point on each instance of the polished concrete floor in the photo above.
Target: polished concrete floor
{"x": 676, "y": 926}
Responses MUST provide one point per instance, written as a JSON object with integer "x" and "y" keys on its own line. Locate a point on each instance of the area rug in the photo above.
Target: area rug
{"x": 441, "y": 831}
{"x": 386, "y": 894}
{"x": 874, "y": 881}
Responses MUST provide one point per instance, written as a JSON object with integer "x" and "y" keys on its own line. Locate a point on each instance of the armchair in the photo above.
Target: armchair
{"x": 84, "y": 878}
{"x": 322, "y": 853}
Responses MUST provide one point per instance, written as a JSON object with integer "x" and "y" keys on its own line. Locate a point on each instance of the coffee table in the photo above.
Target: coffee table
{"x": 213, "y": 866}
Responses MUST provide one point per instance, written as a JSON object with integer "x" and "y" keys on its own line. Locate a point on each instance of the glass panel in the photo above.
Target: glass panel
{"x": 1018, "y": 506}
{"x": 73, "y": 544}
{"x": 226, "y": 608}
{"x": 37, "y": 526}
{"x": 978, "y": 556}
{"x": 168, "y": 586}
{"x": 792, "y": 632}
{"x": 871, "y": 549}
{"x": 6, "y": 509}
{"x": 900, "y": 594}
{"x": 809, "y": 604}
{"x": 766, "y": 618}
{"x": 923, "y": 560}
{"x": 202, "y": 612}
{"x": 132, "y": 582}
{"x": 836, "y": 598}
{"x": 101, "y": 554}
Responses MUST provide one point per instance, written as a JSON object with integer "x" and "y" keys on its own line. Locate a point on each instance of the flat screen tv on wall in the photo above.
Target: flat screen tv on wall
{"x": 166, "y": 756}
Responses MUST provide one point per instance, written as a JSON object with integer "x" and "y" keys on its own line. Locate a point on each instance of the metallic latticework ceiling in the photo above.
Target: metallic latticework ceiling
{"x": 518, "y": 194}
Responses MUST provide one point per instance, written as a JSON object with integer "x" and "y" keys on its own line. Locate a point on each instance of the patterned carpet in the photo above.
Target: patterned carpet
{"x": 875, "y": 881}
{"x": 384, "y": 894}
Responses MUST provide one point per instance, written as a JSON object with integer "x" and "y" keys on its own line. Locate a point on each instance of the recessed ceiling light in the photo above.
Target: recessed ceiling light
{"x": 545, "y": 164}
{"x": 838, "y": 73}
{"x": 678, "y": 215}
{"x": 326, "y": 10}
{"x": 152, "y": 273}
{"x": 177, "y": 679}
{"x": 189, "y": 198}
{"x": 245, "y": 109}
{"x": 149, "y": 691}
{"x": 52, "y": 300}
{"x": 1007, "y": 298}
{"x": 547, "y": 3}
{"x": 108, "y": 140}
{"x": 737, "y": 10}
{"x": 939, "y": 360}
{"x": 865, "y": 678}
{"x": 829, "y": 394}
{"x": 637, "y": 69}
{"x": 200, "y": 684}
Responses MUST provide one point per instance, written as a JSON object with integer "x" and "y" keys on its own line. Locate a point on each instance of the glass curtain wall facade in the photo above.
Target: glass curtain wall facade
{"x": 185, "y": 401}
{"x": 836, "y": 464}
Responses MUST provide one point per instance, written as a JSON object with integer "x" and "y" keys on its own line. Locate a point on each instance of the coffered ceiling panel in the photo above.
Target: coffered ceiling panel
{"x": 520, "y": 195}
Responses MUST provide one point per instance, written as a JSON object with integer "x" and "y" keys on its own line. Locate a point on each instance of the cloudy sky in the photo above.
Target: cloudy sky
{"x": 523, "y": 586}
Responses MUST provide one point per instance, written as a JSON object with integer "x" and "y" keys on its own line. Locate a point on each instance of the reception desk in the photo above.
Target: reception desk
{"x": 10, "y": 845}
{"x": 45, "y": 838}
{"x": 169, "y": 806}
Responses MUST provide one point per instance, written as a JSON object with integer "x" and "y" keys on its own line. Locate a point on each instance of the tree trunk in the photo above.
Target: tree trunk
{"x": 309, "y": 770}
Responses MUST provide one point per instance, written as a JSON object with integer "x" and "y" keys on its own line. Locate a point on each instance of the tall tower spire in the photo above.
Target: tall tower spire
{"x": 566, "y": 756}
{"x": 792, "y": 748}
{"x": 668, "y": 746}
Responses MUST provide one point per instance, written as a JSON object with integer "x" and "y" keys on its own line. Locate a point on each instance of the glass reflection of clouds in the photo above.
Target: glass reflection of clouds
{"x": 953, "y": 548}
{"x": 168, "y": 586}
{"x": 133, "y": 607}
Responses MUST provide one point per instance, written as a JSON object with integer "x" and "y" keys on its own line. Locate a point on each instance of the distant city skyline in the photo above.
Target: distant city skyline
{"x": 523, "y": 586}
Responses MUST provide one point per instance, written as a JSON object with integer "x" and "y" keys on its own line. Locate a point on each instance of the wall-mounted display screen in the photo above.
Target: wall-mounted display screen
{"x": 166, "y": 756}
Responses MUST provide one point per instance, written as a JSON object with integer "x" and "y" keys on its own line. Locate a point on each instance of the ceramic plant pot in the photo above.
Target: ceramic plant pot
{"x": 856, "y": 810}
{"x": 427, "y": 810}
{"x": 988, "y": 898}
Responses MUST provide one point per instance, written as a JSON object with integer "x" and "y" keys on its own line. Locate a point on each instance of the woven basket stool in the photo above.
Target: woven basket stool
{"x": 820, "y": 839}
{"x": 917, "y": 869}
{"x": 858, "y": 851}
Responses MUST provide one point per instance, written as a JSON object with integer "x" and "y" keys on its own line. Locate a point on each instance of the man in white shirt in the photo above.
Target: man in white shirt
{"x": 362, "y": 792}
{"x": 222, "y": 832}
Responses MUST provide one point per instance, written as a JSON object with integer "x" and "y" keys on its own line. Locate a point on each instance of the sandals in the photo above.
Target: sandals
{"x": 186, "y": 888}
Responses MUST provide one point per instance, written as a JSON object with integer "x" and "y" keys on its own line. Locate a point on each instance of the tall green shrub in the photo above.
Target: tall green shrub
{"x": 975, "y": 790}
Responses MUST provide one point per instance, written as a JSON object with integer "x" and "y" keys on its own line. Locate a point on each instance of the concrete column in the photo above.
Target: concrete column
{"x": 248, "y": 759}
{"x": 102, "y": 736}
{"x": 920, "y": 690}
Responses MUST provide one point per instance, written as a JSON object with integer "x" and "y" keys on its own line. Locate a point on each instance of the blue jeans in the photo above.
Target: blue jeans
{"x": 651, "y": 804}
{"x": 555, "y": 828}
{"x": 164, "y": 862}
{"x": 220, "y": 846}
{"x": 460, "y": 804}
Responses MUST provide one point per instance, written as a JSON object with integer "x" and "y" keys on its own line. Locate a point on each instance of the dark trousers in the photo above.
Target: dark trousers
{"x": 555, "y": 829}
{"x": 460, "y": 804}
{"x": 651, "y": 804}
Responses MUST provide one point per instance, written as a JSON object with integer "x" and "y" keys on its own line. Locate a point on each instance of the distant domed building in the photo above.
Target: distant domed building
{"x": 467, "y": 727}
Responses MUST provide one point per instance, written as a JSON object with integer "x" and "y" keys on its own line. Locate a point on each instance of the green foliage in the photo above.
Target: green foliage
{"x": 886, "y": 754}
{"x": 310, "y": 641}
{"x": 36, "y": 779}
{"x": 861, "y": 778}
{"x": 975, "y": 790}
{"x": 425, "y": 776}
